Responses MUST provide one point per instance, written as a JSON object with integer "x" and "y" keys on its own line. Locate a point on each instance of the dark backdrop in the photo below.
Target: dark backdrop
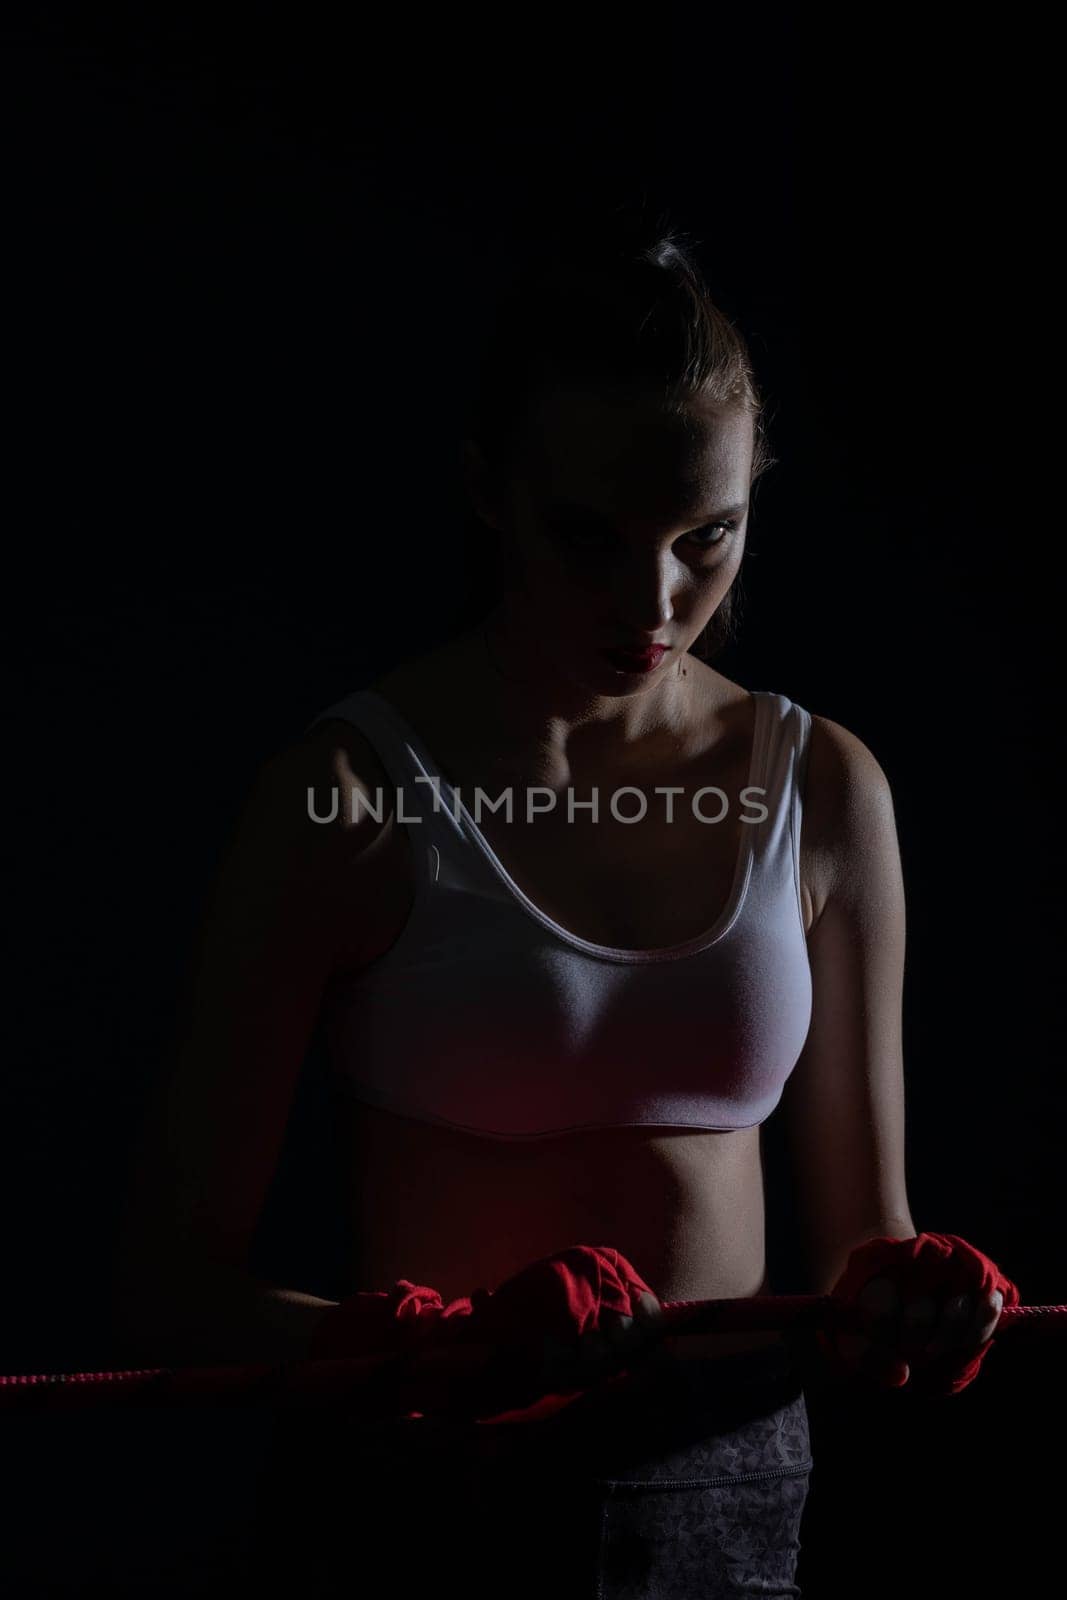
{"x": 248, "y": 254}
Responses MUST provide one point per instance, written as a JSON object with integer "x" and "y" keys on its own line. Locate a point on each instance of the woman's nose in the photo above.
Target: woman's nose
{"x": 642, "y": 601}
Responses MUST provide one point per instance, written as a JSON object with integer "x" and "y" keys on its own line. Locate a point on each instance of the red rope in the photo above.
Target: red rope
{"x": 310, "y": 1379}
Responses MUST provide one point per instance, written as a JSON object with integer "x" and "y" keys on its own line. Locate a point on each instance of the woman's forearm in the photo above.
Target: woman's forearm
{"x": 223, "y": 1315}
{"x": 829, "y": 1259}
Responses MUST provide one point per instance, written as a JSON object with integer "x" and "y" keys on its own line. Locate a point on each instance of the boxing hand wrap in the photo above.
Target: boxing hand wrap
{"x": 396, "y": 1325}
{"x": 931, "y": 1266}
{"x": 393, "y": 1321}
{"x": 559, "y": 1297}
{"x": 555, "y": 1299}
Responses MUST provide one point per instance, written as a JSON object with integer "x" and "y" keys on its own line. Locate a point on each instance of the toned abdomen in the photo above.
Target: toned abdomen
{"x": 458, "y": 1211}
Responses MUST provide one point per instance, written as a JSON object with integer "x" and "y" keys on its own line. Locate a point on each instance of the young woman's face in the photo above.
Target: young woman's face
{"x": 623, "y": 526}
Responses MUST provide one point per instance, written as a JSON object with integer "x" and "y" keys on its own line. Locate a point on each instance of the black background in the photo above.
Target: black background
{"x": 245, "y": 251}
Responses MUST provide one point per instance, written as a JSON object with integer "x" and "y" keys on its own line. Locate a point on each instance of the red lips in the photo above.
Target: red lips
{"x": 647, "y": 657}
{"x": 637, "y": 649}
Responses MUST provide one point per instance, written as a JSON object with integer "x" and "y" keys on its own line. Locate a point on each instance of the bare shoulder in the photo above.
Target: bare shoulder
{"x": 354, "y": 858}
{"x": 848, "y": 805}
{"x": 843, "y": 773}
{"x": 334, "y": 756}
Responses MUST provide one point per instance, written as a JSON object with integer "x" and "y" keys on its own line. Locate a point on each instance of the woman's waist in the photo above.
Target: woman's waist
{"x": 686, "y": 1211}
{"x": 456, "y": 1260}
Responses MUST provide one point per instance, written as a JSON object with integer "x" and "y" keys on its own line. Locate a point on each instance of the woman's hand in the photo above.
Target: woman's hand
{"x": 558, "y": 1326}
{"x": 902, "y": 1332}
{"x": 922, "y": 1310}
{"x": 619, "y": 1343}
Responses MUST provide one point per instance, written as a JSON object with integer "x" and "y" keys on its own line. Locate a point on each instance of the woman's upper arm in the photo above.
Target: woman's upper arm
{"x": 844, "y": 1101}
{"x": 210, "y": 1141}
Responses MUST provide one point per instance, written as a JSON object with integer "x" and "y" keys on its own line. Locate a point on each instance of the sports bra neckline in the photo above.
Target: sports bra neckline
{"x": 743, "y": 864}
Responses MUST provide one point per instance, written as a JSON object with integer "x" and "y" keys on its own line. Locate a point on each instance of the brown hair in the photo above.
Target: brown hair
{"x": 625, "y": 305}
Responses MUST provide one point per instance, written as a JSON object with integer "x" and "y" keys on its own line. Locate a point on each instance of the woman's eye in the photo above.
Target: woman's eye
{"x": 722, "y": 529}
{"x": 709, "y": 537}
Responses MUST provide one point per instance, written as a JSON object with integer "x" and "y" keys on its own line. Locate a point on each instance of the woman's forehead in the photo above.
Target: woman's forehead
{"x": 581, "y": 445}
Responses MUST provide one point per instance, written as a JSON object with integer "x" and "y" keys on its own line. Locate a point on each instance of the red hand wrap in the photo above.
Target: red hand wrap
{"x": 560, "y": 1296}
{"x": 938, "y": 1265}
{"x": 391, "y": 1321}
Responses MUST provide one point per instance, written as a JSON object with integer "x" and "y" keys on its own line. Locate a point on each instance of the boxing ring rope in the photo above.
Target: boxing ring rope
{"x": 318, "y": 1380}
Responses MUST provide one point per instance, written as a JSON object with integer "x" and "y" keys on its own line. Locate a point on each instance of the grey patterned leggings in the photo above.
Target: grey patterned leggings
{"x": 689, "y": 1481}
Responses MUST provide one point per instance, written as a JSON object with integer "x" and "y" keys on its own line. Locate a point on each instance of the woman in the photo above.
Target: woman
{"x": 562, "y": 1025}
